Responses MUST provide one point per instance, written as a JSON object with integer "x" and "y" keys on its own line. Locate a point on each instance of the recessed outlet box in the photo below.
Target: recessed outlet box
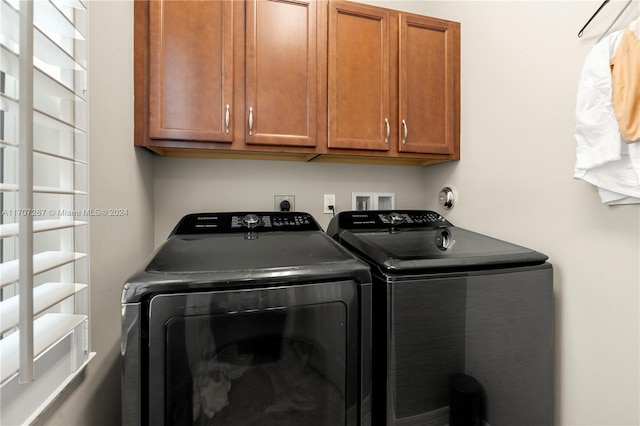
{"x": 282, "y": 203}
{"x": 373, "y": 201}
{"x": 384, "y": 200}
{"x": 362, "y": 201}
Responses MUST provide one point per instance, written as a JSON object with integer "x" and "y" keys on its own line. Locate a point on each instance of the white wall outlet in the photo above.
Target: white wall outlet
{"x": 329, "y": 203}
{"x": 280, "y": 205}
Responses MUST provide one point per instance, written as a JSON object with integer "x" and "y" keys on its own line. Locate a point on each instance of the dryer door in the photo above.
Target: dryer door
{"x": 277, "y": 355}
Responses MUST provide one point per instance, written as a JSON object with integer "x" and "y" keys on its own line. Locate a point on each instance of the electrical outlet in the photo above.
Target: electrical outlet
{"x": 329, "y": 200}
{"x": 280, "y": 203}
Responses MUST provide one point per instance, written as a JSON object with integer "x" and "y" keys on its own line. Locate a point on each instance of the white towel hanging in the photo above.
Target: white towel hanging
{"x": 635, "y": 26}
{"x": 603, "y": 159}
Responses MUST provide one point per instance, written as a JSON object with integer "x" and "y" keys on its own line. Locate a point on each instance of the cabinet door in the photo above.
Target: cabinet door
{"x": 281, "y": 70}
{"x": 358, "y": 81}
{"x": 191, "y": 70}
{"x": 429, "y": 85}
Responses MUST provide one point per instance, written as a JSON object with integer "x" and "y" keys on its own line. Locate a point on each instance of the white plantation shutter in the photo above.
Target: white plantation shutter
{"x": 44, "y": 273}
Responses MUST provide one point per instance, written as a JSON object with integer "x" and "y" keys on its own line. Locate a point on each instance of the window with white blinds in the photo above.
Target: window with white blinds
{"x": 44, "y": 274}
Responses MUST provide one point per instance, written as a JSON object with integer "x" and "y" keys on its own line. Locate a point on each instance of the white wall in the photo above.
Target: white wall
{"x": 520, "y": 68}
{"x": 187, "y": 185}
{"x": 520, "y": 65}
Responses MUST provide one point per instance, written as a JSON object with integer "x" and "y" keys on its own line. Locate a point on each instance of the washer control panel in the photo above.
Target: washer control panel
{"x": 223, "y": 223}
{"x": 379, "y": 219}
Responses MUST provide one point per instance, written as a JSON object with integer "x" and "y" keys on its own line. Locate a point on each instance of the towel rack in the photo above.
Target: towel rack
{"x": 615, "y": 20}
{"x": 593, "y": 16}
{"x": 612, "y": 23}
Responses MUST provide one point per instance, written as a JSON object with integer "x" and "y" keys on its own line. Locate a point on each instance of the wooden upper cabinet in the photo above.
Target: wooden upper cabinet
{"x": 191, "y": 70}
{"x": 303, "y": 79}
{"x": 358, "y": 77}
{"x": 281, "y": 72}
{"x": 429, "y": 75}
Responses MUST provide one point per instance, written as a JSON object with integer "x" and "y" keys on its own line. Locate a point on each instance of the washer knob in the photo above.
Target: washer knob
{"x": 444, "y": 240}
{"x": 396, "y": 218}
{"x": 251, "y": 221}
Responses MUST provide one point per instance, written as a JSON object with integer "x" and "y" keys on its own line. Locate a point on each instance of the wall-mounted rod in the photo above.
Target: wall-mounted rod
{"x": 615, "y": 20}
{"x": 593, "y": 16}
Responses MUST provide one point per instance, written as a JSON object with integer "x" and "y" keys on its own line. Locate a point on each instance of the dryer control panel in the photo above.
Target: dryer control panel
{"x": 232, "y": 222}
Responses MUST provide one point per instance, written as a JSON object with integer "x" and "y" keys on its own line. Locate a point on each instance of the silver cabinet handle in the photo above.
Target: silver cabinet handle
{"x": 386, "y": 140}
{"x": 250, "y": 121}
{"x": 226, "y": 119}
{"x": 406, "y": 132}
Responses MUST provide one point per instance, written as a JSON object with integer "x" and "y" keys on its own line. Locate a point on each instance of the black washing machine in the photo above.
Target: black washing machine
{"x": 247, "y": 319}
{"x": 462, "y": 322}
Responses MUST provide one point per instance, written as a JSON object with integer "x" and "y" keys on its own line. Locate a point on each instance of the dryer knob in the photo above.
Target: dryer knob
{"x": 251, "y": 221}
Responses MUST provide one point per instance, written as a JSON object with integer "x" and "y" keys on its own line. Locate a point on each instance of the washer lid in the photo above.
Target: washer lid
{"x": 193, "y": 254}
{"x": 221, "y": 251}
{"x": 424, "y": 241}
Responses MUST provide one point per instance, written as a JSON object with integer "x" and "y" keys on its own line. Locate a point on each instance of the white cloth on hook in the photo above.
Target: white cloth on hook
{"x": 635, "y": 26}
{"x": 602, "y": 156}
